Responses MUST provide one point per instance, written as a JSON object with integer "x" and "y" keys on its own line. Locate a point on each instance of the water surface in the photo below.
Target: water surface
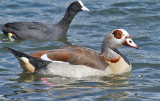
{"x": 139, "y": 18}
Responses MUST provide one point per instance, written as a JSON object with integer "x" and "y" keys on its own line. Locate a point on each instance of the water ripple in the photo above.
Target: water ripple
{"x": 139, "y": 18}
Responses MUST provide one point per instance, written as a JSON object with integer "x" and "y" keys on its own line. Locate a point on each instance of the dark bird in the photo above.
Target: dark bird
{"x": 43, "y": 32}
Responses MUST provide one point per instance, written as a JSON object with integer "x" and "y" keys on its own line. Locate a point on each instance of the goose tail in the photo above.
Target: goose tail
{"x": 28, "y": 63}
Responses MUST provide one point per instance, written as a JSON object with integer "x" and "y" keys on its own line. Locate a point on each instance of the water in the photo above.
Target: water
{"x": 139, "y": 18}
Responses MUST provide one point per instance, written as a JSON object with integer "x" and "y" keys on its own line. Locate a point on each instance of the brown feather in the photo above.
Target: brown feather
{"x": 39, "y": 54}
{"x": 76, "y": 55}
{"x": 58, "y": 55}
{"x": 113, "y": 60}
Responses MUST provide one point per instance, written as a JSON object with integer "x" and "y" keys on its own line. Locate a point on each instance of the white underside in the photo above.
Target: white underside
{"x": 65, "y": 69}
{"x": 68, "y": 70}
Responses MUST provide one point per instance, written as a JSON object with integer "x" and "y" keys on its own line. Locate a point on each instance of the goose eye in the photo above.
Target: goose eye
{"x": 117, "y": 34}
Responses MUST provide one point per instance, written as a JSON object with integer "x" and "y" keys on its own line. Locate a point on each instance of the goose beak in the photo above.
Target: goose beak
{"x": 85, "y": 9}
{"x": 129, "y": 42}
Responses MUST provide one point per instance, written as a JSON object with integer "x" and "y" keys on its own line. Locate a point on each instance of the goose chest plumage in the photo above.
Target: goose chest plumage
{"x": 75, "y": 61}
{"x": 40, "y": 31}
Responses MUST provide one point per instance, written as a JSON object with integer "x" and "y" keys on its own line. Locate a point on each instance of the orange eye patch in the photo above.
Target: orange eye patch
{"x": 117, "y": 34}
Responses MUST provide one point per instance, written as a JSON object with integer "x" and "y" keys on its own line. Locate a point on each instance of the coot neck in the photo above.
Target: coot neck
{"x": 68, "y": 17}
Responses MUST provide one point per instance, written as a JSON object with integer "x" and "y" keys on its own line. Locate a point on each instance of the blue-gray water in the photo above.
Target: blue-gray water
{"x": 139, "y": 17}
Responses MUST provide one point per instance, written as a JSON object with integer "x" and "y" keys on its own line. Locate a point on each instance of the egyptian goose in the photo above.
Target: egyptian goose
{"x": 74, "y": 61}
{"x": 40, "y": 31}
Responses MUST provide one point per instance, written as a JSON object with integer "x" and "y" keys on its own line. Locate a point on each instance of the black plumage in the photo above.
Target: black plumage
{"x": 44, "y": 32}
{"x": 37, "y": 63}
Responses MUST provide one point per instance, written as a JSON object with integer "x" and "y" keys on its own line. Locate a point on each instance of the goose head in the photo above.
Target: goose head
{"x": 78, "y": 6}
{"x": 118, "y": 38}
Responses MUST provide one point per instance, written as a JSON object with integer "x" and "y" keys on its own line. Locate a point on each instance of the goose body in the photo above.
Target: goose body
{"x": 40, "y": 31}
{"x": 75, "y": 61}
